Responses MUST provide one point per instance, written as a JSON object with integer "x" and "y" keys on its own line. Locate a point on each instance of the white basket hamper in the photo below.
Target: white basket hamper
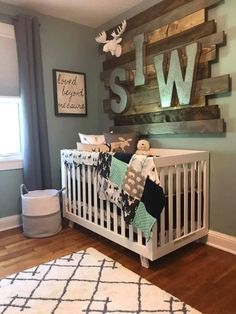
{"x": 41, "y": 215}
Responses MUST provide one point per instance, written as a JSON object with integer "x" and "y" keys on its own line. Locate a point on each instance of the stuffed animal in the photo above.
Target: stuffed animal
{"x": 143, "y": 148}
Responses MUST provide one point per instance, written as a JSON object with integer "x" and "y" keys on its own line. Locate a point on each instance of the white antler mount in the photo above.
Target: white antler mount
{"x": 112, "y": 45}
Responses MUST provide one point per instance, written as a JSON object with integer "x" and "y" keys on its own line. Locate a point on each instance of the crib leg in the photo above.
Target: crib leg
{"x": 144, "y": 261}
{"x": 71, "y": 224}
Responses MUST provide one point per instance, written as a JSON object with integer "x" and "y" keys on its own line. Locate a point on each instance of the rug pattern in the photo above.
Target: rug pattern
{"x": 84, "y": 282}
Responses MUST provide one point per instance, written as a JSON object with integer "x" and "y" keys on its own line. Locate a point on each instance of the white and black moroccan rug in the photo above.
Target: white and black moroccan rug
{"x": 84, "y": 282}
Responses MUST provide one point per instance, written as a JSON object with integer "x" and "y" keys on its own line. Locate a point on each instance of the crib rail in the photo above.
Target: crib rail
{"x": 184, "y": 218}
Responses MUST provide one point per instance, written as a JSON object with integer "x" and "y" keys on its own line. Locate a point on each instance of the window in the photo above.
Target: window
{"x": 10, "y": 148}
{"x": 9, "y": 126}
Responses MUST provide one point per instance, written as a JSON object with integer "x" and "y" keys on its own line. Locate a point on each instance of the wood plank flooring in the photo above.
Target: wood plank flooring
{"x": 199, "y": 275}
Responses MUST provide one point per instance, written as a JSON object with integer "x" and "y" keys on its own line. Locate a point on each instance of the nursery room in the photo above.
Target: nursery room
{"x": 117, "y": 156}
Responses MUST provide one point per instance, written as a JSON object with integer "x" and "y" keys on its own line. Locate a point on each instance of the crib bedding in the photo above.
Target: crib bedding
{"x": 76, "y": 157}
{"x": 128, "y": 184}
{"x": 131, "y": 186}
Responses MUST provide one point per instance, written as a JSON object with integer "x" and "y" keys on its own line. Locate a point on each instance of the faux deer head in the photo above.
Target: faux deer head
{"x": 112, "y": 45}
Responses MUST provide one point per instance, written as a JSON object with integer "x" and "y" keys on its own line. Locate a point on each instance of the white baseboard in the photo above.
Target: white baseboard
{"x": 216, "y": 239}
{"x": 10, "y": 222}
{"x": 221, "y": 241}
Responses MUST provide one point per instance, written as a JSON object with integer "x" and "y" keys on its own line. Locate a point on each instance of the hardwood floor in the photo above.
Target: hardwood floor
{"x": 199, "y": 275}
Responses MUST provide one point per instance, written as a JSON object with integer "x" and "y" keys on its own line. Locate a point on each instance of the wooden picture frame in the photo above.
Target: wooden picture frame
{"x": 69, "y": 93}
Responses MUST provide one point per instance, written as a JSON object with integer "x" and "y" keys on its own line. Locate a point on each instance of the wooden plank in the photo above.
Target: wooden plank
{"x": 214, "y": 39}
{"x": 174, "y": 28}
{"x": 161, "y": 14}
{"x": 140, "y": 97}
{"x": 151, "y": 13}
{"x": 214, "y": 85}
{"x": 170, "y": 17}
{"x": 149, "y": 108}
{"x": 208, "y": 86}
{"x": 183, "y": 127}
{"x": 178, "y": 40}
{"x": 202, "y": 72}
{"x": 168, "y": 30}
{"x": 174, "y": 115}
{"x": 208, "y": 54}
{"x": 205, "y": 87}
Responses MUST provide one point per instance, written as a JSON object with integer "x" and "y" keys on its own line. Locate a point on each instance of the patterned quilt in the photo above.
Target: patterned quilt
{"x": 133, "y": 187}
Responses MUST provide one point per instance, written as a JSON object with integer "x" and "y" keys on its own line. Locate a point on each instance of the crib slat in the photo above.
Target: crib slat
{"x": 65, "y": 184}
{"x": 199, "y": 191}
{"x": 122, "y": 226}
{"x": 84, "y": 191}
{"x": 185, "y": 198}
{"x": 78, "y": 191}
{"x": 192, "y": 197}
{"x": 178, "y": 201}
{"x": 115, "y": 222}
{"x": 140, "y": 237}
{"x": 108, "y": 212}
{"x": 101, "y": 213}
{"x": 89, "y": 193}
{"x": 131, "y": 233}
{"x": 73, "y": 189}
{"x": 162, "y": 224}
{"x": 205, "y": 195}
{"x": 170, "y": 202}
{"x": 69, "y": 188}
{"x": 95, "y": 200}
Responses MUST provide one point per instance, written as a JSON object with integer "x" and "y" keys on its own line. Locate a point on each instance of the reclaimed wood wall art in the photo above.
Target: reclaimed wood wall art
{"x": 161, "y": 82}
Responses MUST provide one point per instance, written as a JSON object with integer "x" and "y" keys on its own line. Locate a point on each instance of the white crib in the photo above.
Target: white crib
{"x": 184, "y": 176}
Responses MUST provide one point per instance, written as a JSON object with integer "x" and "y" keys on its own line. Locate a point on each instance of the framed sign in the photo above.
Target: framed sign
{"x": 69, "y": 93}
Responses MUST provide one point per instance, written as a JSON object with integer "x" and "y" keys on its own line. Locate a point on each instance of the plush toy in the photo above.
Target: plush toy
{"x": 143, "y": 148}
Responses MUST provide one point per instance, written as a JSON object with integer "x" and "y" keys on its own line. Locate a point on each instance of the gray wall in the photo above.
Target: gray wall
{"x": 67, "y": 46}
{"x": 222, "y": 148}
{"x": 10, "y": 182}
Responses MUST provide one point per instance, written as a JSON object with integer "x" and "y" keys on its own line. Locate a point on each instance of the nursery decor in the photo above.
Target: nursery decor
{"x": 123, "y": 142}
{"x": 143, "y": 147}
{"x": 162, "y": 81}
{"x": 92, "y": 138}
{"x": 85, "y": 282}
{"x": 113, "y": 45}
{"x": 69, "y": 92}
